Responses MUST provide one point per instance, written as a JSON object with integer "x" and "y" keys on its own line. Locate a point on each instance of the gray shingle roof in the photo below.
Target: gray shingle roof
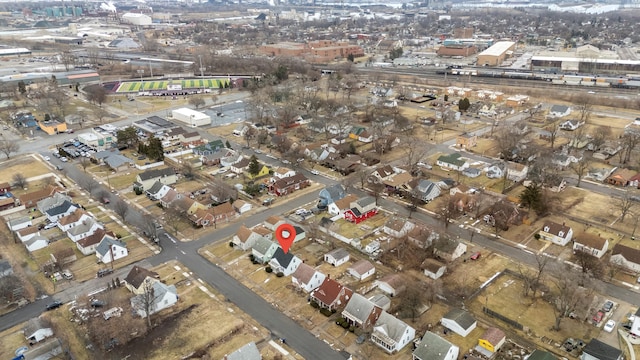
{"x": 156, "y": 173}
{"x": 283, "y": 259}
{"x": 247, "y": 352}
{"x": 262, "y": 245}
{"x": 115, "y": 161}
{"x": 461, "y": 317}
{"x": 338, "y": 253}
{"x": 432, "y": 347}
{"x": 60, "y": 209}
{"x": 365, "y": 201}
{"x": 105, "y": 245}
{"x": 155, "y": 188}
{"x": 359, "y": 307}
{"x": 82, "y": 228}
{"x": 389, "y": 326}
{"x": 602, "y": 351}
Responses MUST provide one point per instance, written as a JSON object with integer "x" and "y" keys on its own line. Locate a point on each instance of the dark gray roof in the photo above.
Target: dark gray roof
{"x": 5, "y": 266}
{"x": 105, "y": 245}
{"x": 283, "y": 259}
{"x": 262, "y": 245}
{"x": 602, "y": 351}
{"x": 106, "y": 153}
{"x": 155, "y": 188}
{"x": 336, "y": 191}
{"x": 461, "y": 317}
{"x": 247, "y": 352}
{"x": 60, "y": 209}
{"x": 432, "y": 347}
{"x": 366, "y": 201}
{"x": 117, "y": 160}
{"x": 339, "y": 253}
{"x": 559, "y": 108}
{"x": 359, "y": 307}
{"x": 156, "y": 173}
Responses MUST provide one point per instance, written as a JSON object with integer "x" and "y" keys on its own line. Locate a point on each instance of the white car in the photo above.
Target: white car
{"x": 50, "y": 225}
{"x": 64, "y": 159}
{"x": 314, "y": 172}
{"x": 46, "y": 158}
{"x": 609, "y": 326}
{"x": 257, "y": 151}
{"x": 222, "y": 171}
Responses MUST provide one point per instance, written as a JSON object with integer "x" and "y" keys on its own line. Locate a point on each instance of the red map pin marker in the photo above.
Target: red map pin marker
{"x": 285, "y": 234}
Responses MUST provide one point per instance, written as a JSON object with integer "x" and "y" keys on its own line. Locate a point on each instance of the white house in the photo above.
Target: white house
{"x": 392, "y": 334}
{"x": 158, "y": 190}
{"x": 597, "y": 350}
{"x": 449, "y": 249}
{"x": 517, "y": 172}
{"x": 110, "y": 249}
{"x": 626, "y": 257}
{"x": 453, "y": 161}
{"x": 433, "y": 347}
{"x": 361, "y": 269}
{"x": 241, "y": 206}
{"x": 36, "y": 243}
{"x": 245, "y": 238}
{"x": 337, "y": 256}
{"x": 307, "y": 278}
{"x": 19, "y": 223}
{"x": 571, "y": 125}
{"x": 427, "y": 190}
{"x": 558, "y": 111}
{"x": 164, "y": 296}
{"x": 495, "y": 171}
{"x": 191, "y": 117}
{"x": 283, "y": 172}
{"x": 397, "y": 227}
{"x": 36, "y": 330}
{"x": 459, "y": 321}
{"x": 74, "y": 219}
{"x": 62, "y": 210}
{"x": 284, "y": 263}
{"x": 27, "y": 233}
{"x": 240, "y": 130}
{"x": 340, "y": 206}
{"x": 84, "y": 229}
{"x": 591, "y": 244}
{"x": 433, "y": 268}
{"x": 556, "y": 233}
{"x": 392, "y": 284}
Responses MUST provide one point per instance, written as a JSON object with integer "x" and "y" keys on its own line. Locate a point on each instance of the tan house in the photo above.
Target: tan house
{"x": 466, "y": 140}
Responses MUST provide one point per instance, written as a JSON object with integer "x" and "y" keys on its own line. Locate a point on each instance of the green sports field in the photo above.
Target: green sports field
{"x": 155, "y": 85}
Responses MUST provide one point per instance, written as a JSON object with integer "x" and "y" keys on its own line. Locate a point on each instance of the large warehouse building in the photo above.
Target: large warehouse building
{"x": 496, "y": 54}
{"x": 191, "y": 117}
{"x": 586, "y": 59}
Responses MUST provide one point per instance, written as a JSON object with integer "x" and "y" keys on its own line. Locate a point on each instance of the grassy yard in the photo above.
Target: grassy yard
{"x": 122, "y": 181}
{"x": 352, "y": 231}
{"x": 26, "y": 165}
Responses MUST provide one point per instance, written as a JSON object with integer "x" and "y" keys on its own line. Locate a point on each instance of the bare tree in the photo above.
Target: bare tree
{"x": 149, "y": 226}
{"x": 84, "y": 162}
{"x": 571, "y": 291}
{"x": 414, "y": 150}
{"x": 10, "y": 288}
{"x": 100, "y": 113}
{"x": 630, "y": 141}
{"x": 88, "y": 184}
{"x": 590, "y": 264}
{"x": 448, "y": 211}
{"x": 174, "y": 217}
{"x": 533, "y": 279}
{"x": 19, "y": 180}
{"x": 8, "y": 147}
{"x": 600, "y": 136}
{"x": 581, "y": 167}
{"x": 411, "y": 301}
{"x": 121, "y": 208}
{"x": 196, "y": 101}
{"x": 507, "y": 142}
{"x": 584, "y": 107}
{"x": 553, "y": 129}
{"x": 625, "y": 205}
{"x": 377, "y": 190}
{"x": 145, "y": 302}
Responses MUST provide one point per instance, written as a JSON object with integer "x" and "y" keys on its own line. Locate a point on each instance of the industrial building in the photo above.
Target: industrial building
{"x": 191, "y": 117}
{"x": 496, "y": 54}
{"x": 14, "y": 52}
{"x": 457, "y": 50}
{"x": 586, "y": 59}
{"x": 320, "y": 51}
{"x": 136, "y": 19}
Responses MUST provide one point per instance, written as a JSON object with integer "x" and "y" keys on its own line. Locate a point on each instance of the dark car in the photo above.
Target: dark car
{"x": 54, "y": 305}
{"x": 104, "y": 272}
{"x": 97, "y": 303}
{"x": 608, "y": 305}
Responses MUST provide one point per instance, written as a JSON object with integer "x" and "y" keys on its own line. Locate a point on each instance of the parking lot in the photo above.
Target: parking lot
{"x": 227, "y": 113}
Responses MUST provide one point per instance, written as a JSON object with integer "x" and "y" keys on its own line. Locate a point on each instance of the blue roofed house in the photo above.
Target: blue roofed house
{"x": 110, "y": 249}
{"x": 284, "y": 263}
{"x": 330, "y": 194}
{"x": 453, "y": 161}
{"x": 392, "y": 334}
{"x": 263, "y": 250}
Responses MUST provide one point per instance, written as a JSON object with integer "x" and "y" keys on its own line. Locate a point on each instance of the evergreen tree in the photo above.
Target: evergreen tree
{"x": 254, "y": 166}
{"x": 154, "y": 149}
{"x": 228, "y": 144}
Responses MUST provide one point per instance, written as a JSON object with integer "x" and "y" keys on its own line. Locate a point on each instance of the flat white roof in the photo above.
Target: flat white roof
{"x": 190, "y": 113}
{"x": 498, "y": 48}
{"x": 89, "y": 136}
{"x": 14, "y": 51}
{"x": 576, "y": 59}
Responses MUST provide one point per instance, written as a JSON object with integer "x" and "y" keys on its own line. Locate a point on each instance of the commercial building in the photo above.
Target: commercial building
{"x": 191, "y": 117}
{"x": 496, "y": 54}
{"x": 136, "y": 19}
{"x": 457, "y": 50}
{"x": 320, "y": 51}
{"x": 96, "y": 140}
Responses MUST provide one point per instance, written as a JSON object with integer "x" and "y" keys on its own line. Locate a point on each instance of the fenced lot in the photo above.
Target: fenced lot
{"x": 151, "y": 85}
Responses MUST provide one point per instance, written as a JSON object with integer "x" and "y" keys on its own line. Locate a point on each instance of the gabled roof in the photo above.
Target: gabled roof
{"x": 447, "y": 246}
{"x": 432, "y": 347}
{"x": 335, "y": 191}
{"x": 33, "y": 325}
{"x": 105, "y": 245}
{"x": 328, "y": 291}
{"x": 273, "y": 220}
{"x": 345, "y": 202}
{"x": 365, "y": 201}
{"x": 283, "y": 259}
{"x": 243, "y": 233}
{"x": 157, "y": 186}
{"x": 601, "y": 351}
{"x": 38, "y": 195}
{"x": 241, "y": 164}
{"x": 338, "y": 253}
{"x": 590, "y": 240}
{"x": 60, "y": 209}
{"x": 304, "y": 273}
{"x": 432, "y": 265}
{"x": 359, "y": 307}
{"x": 156, "y": 173}
{"x": 453, "y": 159}
{"x": 362, "y": 266}
{"x": 28, "y": 230}
{"x": 84, "y": 227}
{"x": 95, "y": 238}
{"x": 35, "y": 239}
{"x": 390, "y": 327}
{"x": 52, "y": 201}
{"x": 222, "y": 209}
{"x": 247, "y": 352}
{"x": 460, "y": 317}
{"x": 629, "y": 253}
{"x": 541, "y": 355}
{"x": 137, "y": 275}
{"x": 290, "y": 180}
{"x": 73, "y": 217}
{"x": 395, "y": 281}
{"x": 559, "y": 108}
{"x": 493, "y": 335}
{"x": 115, "y": 161}
{"x": 18, "y": 221}
{"x": 262, "y": 245}
{"x": 555, "y": 229}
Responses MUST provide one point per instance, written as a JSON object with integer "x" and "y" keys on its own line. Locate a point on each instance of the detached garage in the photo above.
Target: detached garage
{"x": 191, "y": 117}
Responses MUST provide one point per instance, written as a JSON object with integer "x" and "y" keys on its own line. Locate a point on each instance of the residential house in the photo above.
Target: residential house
{"x": 397, "y": 227}
{"x": 74, "y": 219}
{"x": 284, "y": 263}
{"x": 110, "y": 249}
{"x": 60, "y": 211}
{"x": 382, "y": 173}
{"x": 491, "y": 341}
{"x": 538, "y": 354}
{"x": 361, "y": 269}
{"x": 214, "y": 158}
{"x": 392, "y": 284}
{"x": 27, "y": 233}
{"x": 248, "y": 352}
{"x": 433, "y": 268}
{"x": 240, "y": 130}
{"x": 241, "y": 206}
{"x": 449, "y": 249}
{"x": 453, "y": 161}
{"x": 137, "y": 277}
{"x": 626, "y": 257}
{"x": 459, "y": 321}
{"x": 426, "y": 190}
{"x": 361, "y": 209}
{"x": 84, "y": 229}
{"x": 191, "y": 138}
{"x": 517, "y": 172}
{"x": 145, "y": 180}
{"x": 36, "y": 242}
{"x": 240, "y": 166}
{"x": 289, "y": 184}
{"x": 560, "y": 160}
{"x": 5, "y": 268}
{"x": 331, "y": 194}
{"x": 202, "y": 218}
{"x": 88, "y": 244}
{"x": 559, "y": 111}
{"x": 422, "y": 236}
{"x": 263, "y": 250}
{"x": 283, "y": 172}
{"x": 337, "y": 256}
{"x": 272, "y": 222}
{"x": 392, "y": 334}
{"x": 496, "y": 170}
{"x": 223, "y": 212}
{"x": 164, "y": 296}
{"x": 556, "y": 233}
{"x": 331, "y": 294}
{"x": 635, "y": 324}
{"x": 591, "y": 244}
{"x": 340, "y": 206}
{"x": 263, "y": 171}
{"x": 361, "y": 312}
{"x": 171, "y": 196}
{"x": 157, "y": 191}
{"x": 433, "y": 347}
{"x": 381, "y": 301}
{"x": 5, "y": 187}
{"x": 52, "y": 201}
{"x": 571, "y": 125}
{"x": 466, "y": 140}
{"x": 118, "y": 162}
{"x": 63, "y": 256}
{"x": 398, "y": 183}
{"x": 30, "y": 200}
{"x": 37, "y": 330}
{"x": 597, "y": 350}
{"x": 307, "y": 278}
{"x": 621, "y": 177}
{"x": 471, "y": 172}
{"x": 263, "y": 231}
{"x": 19, "y": 223}
{"x": 245, "y": 238}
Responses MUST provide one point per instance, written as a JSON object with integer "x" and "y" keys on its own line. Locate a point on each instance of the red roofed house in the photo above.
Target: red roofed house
{"x": 626, "y": 257}
{"x": 30, "y": 200}
{"x": 4, "y": 188}
{"x": 331, "y": 294}
{"x": 202, "y": 217}
{"x": 223, "y": 212}
{"x": 621, "y": 177}
{"x": 87, "y": 245}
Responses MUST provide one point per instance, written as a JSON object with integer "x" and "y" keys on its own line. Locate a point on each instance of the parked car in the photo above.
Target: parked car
{"x": 609, "y": 326}
{"x": 257, "y": 151}
{"x": 67, "y": 274}
{"x": 314, "y": 172}
{"x": 597, "y": 318}
{"x": 104, "y": 272}
{"x": 54, "y": 305}
{"x": 97, "y": 303}
{"x": 64, "y": 159}
{"x": 608, "y": 305}
{"x": 50, "y": 225}
{"x": 476, "y": 256}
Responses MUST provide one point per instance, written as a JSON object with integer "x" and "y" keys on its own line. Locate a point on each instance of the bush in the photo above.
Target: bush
{"x": 268, "y": 269}
{"x": 230, "y": 244}
{"x": 352, "y": 328}
{"x": 537, "y": 236}
{"x": 344, "y": 324}
{"x": 333, "y": 311}
{"x": 280, "y": 274}
{"x": 314, "y": 305}
{"x": 325, "y": 312}
{"x": 138, "y": 191}
{"x": 251, "y": 257}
